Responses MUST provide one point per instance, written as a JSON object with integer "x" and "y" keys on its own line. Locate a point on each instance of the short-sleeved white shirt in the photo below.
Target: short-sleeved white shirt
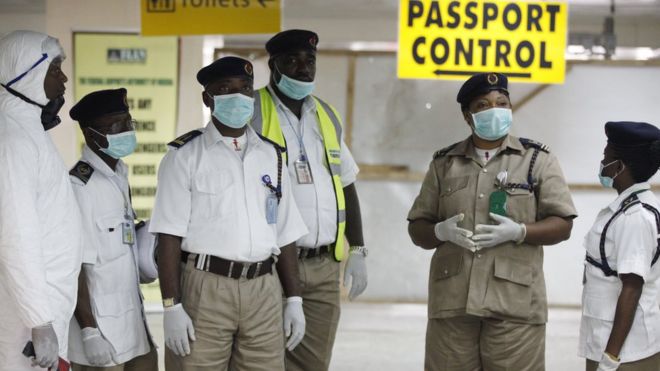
{"x": 216, "y": 201}
{"x": 316, "y": 202}
{"x": 630, "y": 244}
{"x": 110, "y": 265}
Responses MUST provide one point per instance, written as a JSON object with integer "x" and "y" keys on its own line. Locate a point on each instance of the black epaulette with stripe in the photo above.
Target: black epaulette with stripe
{"x": 82, "y": 171}
{"x": 282, "y": 149}
{"x": 443, "y": 152}
{"x": 185, "y": 138}
{"x": 527, "y": 143}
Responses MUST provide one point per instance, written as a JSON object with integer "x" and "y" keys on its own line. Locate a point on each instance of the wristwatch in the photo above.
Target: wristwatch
{"x": 169, "y": 302}
{"x": 359, "y": 250}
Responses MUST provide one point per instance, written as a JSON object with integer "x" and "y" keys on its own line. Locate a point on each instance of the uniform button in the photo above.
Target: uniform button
{"x": 446, "y": 272}
{"x": 485, "y": 170}
{"x": 449, "y": 189}
{"x": 479, "y": 256}
{"x": 481, "y": 195}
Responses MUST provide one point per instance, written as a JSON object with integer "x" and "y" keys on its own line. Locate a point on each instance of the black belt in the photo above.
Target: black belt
{"x": 305, "y": 253}
{"x": 229, "y": 268}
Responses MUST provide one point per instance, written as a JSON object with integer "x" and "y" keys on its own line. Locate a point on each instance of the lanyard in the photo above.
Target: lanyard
{"x": 301, "y": 146}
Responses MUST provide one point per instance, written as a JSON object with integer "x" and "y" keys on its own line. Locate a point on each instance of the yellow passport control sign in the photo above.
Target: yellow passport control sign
{"x": 200, "y": 17}
{"x": 442, "y": 39}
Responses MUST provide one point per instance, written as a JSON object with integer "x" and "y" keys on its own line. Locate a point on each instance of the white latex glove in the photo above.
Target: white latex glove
{"x": 98, "y": 350}
{"x": 355, "y": 271}
{"x": 448, "y": 230}
{"x": 294, "y": 321}
{"x": 46, "y": 348}
{"x": 608, "y": 364}
{"x": 488, "y": 235}
{"x": 178, "y": 328}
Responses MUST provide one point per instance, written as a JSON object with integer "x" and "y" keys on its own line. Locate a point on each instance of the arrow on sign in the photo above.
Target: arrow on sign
{"x": 263, "y": 2}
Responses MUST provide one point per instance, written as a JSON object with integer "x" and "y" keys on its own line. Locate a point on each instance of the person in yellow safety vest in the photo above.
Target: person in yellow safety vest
{"x": 323, "y": 173}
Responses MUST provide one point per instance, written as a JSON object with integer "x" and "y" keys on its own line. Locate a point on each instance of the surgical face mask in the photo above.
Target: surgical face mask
{"x": 119, "y": 145}
{"x": 233, "y": 110}
{"x": 493, "y": 123}
{"x": 606, "y": 181}
{"x": 294, "y": 89}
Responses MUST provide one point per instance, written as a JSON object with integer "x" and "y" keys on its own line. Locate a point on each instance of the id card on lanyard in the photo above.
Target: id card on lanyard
{"x": 301, "y": 164}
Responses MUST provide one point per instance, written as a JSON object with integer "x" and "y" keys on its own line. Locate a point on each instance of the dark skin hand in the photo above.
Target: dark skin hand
{"x": 298, "y": 65}
{"x": 353, "y": 217}
{"x": 83, "y": 311}
{"x": 169, "y": 266}
{"x": 624, "y": 316}
{"x": 548, "y": 231}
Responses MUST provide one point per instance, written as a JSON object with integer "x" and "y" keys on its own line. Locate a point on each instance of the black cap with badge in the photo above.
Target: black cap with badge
{"x": 99, "y": 103}
{"x": 225, "y": 67}
{"x": 480, "y": 84}
{"x": 292, "y": 40}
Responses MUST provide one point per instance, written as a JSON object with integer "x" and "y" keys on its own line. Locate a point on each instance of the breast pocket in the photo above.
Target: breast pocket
{"x": 212, "y": 194}
{"x": 521, "y": 205}
{"x": 509, "y": 291}
{"x": 111, "y": 236}
{"x": 453, "y": 194}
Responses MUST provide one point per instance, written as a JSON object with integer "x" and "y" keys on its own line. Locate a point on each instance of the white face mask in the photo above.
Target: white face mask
{"x": 493, "y": 123}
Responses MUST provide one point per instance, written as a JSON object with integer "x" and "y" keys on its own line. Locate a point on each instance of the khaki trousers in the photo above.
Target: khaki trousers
{"x": 145, "y": 362}
{"x": 651, "y": 363}
{"x": 470, "y": 343}
{"x": 237, "y": 319}
{"x": 319, "y": 277}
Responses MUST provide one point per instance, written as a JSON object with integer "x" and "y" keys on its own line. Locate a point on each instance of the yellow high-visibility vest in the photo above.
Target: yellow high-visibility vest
{"x": 266, "y": 122}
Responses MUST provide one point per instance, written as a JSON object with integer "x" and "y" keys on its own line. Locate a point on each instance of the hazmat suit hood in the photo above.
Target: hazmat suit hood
{"x": 24, "y": 60}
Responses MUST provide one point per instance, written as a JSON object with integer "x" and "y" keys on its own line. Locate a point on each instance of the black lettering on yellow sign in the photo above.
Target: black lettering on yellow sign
{"x": 216, "y": 3}
{"x": 476, "y": 52}
{"x": 151, "y": 148}
{"x": 145, "y": 125}
{"x": 143, "y": 191}
{"x": 144, "y": 169}
{"x": 144, "y": 103}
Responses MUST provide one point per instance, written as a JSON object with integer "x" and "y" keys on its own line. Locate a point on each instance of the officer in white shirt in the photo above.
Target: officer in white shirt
{"x": 109, "y": 329}
{"x": 40, "y": 245}
{"x": 224, "y": 209}
{"x": 620, "y": 327}
{"x": 323, "y": 173}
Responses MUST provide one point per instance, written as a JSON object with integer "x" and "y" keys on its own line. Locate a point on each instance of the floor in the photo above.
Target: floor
{"x": 390, "y": 337}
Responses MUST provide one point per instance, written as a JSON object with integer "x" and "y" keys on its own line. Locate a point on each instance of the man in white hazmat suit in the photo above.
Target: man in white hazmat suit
{"x": 40, "y": 249}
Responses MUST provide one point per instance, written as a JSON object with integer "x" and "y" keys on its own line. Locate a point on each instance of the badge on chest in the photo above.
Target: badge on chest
{"x": 303, "y": 171}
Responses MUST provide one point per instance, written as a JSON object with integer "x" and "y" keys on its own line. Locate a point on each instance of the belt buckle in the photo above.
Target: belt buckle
{"x": 256, "y": 272}
{"x": 244, "y": 270}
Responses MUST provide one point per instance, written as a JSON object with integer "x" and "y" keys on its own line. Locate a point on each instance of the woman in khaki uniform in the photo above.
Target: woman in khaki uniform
{"x": 487, "y": 206}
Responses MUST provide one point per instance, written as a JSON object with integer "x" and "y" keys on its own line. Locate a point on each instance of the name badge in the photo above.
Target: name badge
{"x": 498, "y": 202}
{"x": 303, "y": 172}
{"x": 128, "y": 235}
{"x": 271, "y": 208}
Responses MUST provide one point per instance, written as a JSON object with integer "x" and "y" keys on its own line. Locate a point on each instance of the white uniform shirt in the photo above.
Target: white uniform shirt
{"x": 630, "y": 244}
{"x": 317, "y": 202}
{"x": 110, "y": 264}
{"x": 40, "y": 244}
{"x": 216, "y": 201}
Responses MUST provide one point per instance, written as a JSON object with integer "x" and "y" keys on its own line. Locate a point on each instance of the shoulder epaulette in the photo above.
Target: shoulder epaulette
{"x": 282, "y": 149}
{"x": 443, "y": 152}
{"x": 527, "y": 143}
{"x": 82, "y": 171}
{"x": 185, "y": 138}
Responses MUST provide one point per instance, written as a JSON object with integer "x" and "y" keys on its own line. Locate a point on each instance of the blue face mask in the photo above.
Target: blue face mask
{"x": 119, "y": 145}
{"x": 493, "y": 123}
{"x": 233, "y": 110}
{"x": 606, "y": 181}
{"x": 294, "y": 89}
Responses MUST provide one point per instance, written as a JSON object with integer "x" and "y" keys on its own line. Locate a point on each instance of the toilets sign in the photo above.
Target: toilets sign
{"x": 443, "y": 39}
{"x": 203, "y": 17}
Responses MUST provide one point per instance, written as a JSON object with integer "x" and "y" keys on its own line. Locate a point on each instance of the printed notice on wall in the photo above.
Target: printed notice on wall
{"x": 148, "y": 68}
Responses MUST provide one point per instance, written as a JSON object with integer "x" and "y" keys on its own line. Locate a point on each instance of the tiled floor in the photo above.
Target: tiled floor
{"x": 390, "y": 337}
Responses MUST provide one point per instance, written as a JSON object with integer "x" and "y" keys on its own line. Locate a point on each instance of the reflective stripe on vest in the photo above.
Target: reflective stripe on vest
{"x": 266, "y": 122}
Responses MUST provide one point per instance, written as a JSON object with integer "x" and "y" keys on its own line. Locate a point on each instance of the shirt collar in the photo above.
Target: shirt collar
{"x": 466, "y": 147}
{"x": 212, "y": 135}
{"x": 616, "y": 204}
{"x": 98, "y": 164}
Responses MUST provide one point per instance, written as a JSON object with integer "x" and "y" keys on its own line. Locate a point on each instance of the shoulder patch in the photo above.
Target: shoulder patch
{"x": 282, "y": 149}
{"x": 185, "y": 138}
{"x": 443, "y": 152}
{"x": 529, "y": 143}
{"x": 82, "y": 171}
